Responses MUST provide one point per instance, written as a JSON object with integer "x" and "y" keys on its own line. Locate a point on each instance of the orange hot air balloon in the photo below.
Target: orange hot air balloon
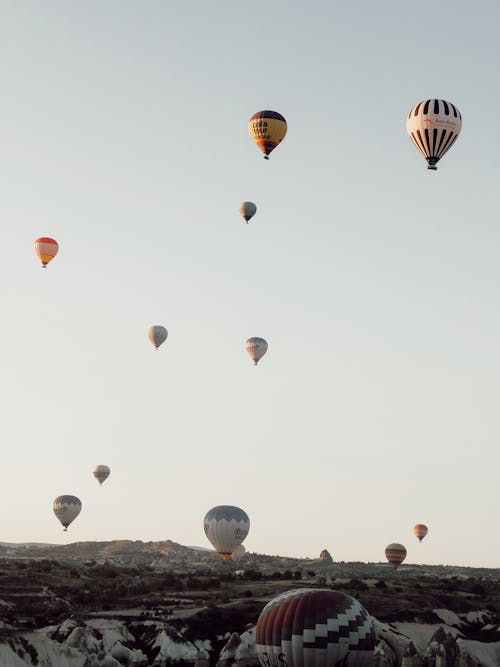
{"x": 420, "y": 531}
{"x": 395, "y": 554}
{"x": 46, "y": 249}
{"x": 267, "y": 129}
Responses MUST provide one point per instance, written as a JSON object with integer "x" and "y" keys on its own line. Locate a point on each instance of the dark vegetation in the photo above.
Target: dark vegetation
{"x": 43, "y": 592}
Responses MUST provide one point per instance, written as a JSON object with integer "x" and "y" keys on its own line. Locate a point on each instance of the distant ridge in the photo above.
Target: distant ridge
{"x": 199, "y": 549}
{"x": 33, "y": 545}
{"x": 171, "y": 556}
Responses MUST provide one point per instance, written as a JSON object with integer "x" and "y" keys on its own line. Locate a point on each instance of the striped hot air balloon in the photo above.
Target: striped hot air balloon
{"x": 433, "y": 126}
{"x": 395, "y": 554}
{"x": 256, "y": 348}
{"x": 66, "y": 509}
{"x": 226, "y": 527}
{"x": 46, "y": 249}
{"x": 420, "y": 531}
{"x": 314, "y": 627}
{"x": 267, "y": 129}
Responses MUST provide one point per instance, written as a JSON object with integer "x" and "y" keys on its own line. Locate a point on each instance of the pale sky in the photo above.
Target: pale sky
{"x": 376, "y": 282}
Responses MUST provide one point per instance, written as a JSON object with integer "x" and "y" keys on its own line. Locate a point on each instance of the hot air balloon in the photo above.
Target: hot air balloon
{"x": 256, "y": 348}
{"x": 248, "y": 210}
{"x": 226, "y": 527}
{"x": 267, "y": 129}
{"x": 157, "y": 335}
{"x": 101, "y": 473}
{"x": 395, "y": 554}
{"x": 46, "y": 249}
{"x": 238, "y": 553}
{"x": 66, "y": 509}
{"x": 433, "y": 126}
{"x": 316, "y": 627}
{"x": 420, "y": 531}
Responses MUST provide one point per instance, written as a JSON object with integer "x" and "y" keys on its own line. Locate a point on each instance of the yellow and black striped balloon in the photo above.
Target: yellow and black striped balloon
{"x": 395, "y": 554}
{"x": 267, "y": 129}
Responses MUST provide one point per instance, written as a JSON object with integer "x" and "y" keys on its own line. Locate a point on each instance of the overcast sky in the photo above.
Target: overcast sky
{"x": 124, "y": 136}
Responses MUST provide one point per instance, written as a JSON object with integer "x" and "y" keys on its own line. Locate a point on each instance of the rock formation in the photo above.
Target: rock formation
{"x": 325, "y": 556}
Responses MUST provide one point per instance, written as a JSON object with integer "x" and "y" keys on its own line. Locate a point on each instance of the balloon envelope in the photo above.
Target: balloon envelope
{"x": 395, "y": 554}
{"x": 238, "y": 553}
{"x": 314, "y": 627}
{"x": 433, "y": 126}
{"x": 101, "y": 473}
{"x": 248, "y": 210}
{"x": 46, "y": 249}
{"x": 256, "y": 348}
{"x": 157, "y": 335}
{"x": 267, "y": 129}
{"x": 420, "y": 531}
{"x": 226, "y": 527}
{"x": 66, "y": 509}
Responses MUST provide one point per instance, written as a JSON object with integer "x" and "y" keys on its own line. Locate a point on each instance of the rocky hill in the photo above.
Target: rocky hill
{"x": 103, "y": 604}
{"x": 170, "y": 555}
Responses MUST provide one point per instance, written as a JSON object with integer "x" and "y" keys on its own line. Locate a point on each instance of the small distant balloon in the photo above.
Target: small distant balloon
{"x": 66, "y": 509}
{"x": 46, "y": 249}
{"x": 248, "y": 210}
{"x": 256, "y": 348}
{"x": 226, "y": 527}
{"x": 101, "y": 473}
{"x": 434, "y": 126}
{"x": 238, "y": 553}
{"x": 157, "y": 335}
{"x": 420, "y": 531}
{"x": 395, "y": 554}
{"x": 267, "y": 129}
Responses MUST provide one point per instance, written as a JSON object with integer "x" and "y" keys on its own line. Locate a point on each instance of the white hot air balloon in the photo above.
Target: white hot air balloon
{"x": 238, "y": 553}
{"x": 433, "y": 126}
{"x": 256, "y": 348}
{"x": 157, "y": 335}
{"x": 226, "y": 527}
{"x": 66, "y": 509}
{"x": 101, "y": 473}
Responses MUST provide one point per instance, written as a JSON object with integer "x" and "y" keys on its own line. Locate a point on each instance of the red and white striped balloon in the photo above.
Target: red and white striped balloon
{"x": 314, "y": 627}
{"x": 46, "y": 249}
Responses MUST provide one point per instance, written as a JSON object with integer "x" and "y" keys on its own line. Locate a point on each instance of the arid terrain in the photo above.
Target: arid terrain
{"x": 134, "y": 603}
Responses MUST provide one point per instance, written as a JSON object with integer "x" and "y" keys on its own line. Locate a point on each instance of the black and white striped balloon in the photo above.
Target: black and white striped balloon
{"x": 433, "y": 126}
